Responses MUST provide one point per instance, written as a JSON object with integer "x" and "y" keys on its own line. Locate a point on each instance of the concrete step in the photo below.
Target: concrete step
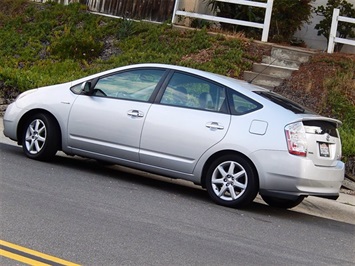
{"x": 280, "y": 62}
{"x": 262, "y": 80}
{"x": 290, "y": 54}
{"x": 275, "y": 71}
{"x": 275, "y": 68}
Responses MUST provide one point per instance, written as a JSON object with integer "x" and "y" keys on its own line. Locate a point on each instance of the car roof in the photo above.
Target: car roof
{"x": 227, "y": 81}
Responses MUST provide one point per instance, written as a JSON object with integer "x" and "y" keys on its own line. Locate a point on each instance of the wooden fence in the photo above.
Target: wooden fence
{"x": 152, "y": 10}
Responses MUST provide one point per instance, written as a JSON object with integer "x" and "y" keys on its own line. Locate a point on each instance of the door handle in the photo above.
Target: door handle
{"x": 135, "y": 113}
{"x": 214, "y": 125}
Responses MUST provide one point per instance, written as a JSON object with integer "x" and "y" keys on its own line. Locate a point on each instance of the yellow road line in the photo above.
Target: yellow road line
{"x": 21, "y": 258}
{"x": 33, "y": 253}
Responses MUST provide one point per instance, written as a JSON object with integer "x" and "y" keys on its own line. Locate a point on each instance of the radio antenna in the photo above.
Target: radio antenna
{"x": 251, "y": 81}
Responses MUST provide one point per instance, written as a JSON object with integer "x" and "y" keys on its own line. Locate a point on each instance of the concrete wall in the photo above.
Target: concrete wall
{"x": 197, "y": 6}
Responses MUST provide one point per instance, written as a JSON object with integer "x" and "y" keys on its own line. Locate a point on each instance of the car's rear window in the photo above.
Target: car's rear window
{"x": 321, "y": 127}
{"x": 284, "y": 102}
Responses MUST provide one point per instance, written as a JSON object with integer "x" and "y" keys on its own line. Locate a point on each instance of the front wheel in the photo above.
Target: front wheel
{"x": 282, "y": 203}
{"x": 40, "y": 137}
{"x": 231, "y": 181}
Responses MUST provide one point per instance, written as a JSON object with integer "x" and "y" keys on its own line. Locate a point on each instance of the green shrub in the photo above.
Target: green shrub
{"x": 76, "y": 45}
{"x": 340, "y": 87}
{"x": 126, "y": 28}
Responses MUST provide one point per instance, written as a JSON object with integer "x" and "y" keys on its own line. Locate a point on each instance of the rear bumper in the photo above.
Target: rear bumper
{"x": 288, "y": 175}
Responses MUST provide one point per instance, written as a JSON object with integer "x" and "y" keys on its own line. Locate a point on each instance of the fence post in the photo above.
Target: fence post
{"x": 333, "y": 30}
{"x": 176, "y": 6}
{"x": 267, "y": 20}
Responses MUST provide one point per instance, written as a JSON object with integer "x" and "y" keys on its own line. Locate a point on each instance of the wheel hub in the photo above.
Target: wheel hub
{"x": 229, "y": 180}
{"x": 35, "y": 135}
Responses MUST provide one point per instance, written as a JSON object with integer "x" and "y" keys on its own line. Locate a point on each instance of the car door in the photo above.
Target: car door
{"x": 109, "y": 121}
{"x": 191, "y": 116}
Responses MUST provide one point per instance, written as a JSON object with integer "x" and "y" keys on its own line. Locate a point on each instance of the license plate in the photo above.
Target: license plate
{"x": 324, "y": 149}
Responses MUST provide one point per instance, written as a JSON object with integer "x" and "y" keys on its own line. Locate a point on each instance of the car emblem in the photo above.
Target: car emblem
{"x": 327, "y": 137}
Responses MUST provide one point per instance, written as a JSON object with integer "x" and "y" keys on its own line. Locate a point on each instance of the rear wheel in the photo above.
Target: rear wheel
{"x": 40, "y": 138}
{"x": 282, "y": 203}
{"x": 231, "y": 181}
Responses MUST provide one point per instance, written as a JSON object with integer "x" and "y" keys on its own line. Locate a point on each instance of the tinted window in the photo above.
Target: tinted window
{"x": 241, "y": 104}
{"x": 284, "y": 102}
{"x": 133, "y": 84}
{"x": 320, "y": 127}
{"x": 194, "y": 92}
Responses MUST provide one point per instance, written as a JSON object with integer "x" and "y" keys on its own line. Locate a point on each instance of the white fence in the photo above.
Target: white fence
{"x": 264, "y": 26}
{"x": 333, "y": 31}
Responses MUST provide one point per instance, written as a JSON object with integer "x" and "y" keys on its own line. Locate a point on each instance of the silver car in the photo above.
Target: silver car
{"x": 232, "y": 138}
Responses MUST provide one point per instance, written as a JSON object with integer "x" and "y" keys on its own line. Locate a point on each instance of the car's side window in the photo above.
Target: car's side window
{"x": 241, "y": 104}
{"x": 194, "y": 92}
{"x": 136, "y": 84}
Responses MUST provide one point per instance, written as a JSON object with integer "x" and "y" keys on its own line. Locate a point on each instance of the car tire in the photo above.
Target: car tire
{"x": 232, "y": 181}
{"x": 40, "y": 138}
{"x": 282, "y": 203}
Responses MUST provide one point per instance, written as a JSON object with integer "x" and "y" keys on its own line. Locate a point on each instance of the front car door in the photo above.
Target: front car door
{"x": 109, "y": 122}
{"x": 190, "y": 117}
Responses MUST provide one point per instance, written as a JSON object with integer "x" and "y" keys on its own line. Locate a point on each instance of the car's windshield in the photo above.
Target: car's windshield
{"x": 284, "y": 102}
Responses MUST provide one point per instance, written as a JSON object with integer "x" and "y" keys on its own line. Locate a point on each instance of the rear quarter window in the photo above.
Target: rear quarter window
{"x": 241, "y": 104}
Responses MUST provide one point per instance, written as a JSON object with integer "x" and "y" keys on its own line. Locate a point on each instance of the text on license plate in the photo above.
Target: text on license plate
{"x": 324, "y": 149}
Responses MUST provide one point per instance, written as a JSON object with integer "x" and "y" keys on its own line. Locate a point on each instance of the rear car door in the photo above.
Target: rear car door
{"x": 190, "y": 117}
{"x": 109, "y": 122}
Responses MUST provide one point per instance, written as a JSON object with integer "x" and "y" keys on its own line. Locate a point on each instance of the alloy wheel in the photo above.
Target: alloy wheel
{"x": 36, "y": 135}
{"x": 229, "y": 180}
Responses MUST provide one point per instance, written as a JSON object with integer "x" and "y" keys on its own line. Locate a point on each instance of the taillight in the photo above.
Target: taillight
{"x": 296, "y": 139}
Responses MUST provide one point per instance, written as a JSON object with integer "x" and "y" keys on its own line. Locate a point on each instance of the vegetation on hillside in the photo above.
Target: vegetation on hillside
{"x": 44, "y": 44}
{"x": 52, "y": 43}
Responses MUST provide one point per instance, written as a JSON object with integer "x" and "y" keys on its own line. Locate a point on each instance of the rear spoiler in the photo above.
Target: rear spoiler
{"x": 337, "y": 122}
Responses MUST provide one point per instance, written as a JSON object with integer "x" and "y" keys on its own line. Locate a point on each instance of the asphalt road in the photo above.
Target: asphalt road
{"x": 81, "y": 211}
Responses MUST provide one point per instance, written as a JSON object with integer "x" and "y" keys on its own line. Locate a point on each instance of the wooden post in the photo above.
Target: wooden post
{"x": 267, "y": 20}
{"x": 333, "y": 30}
{"x": 174, "y": 11}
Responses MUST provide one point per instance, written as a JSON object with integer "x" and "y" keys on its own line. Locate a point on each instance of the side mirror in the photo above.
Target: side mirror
{"x": 86, "y": 87}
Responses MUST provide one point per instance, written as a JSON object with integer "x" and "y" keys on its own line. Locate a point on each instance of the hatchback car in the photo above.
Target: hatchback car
{"x": 232, "y": 138}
